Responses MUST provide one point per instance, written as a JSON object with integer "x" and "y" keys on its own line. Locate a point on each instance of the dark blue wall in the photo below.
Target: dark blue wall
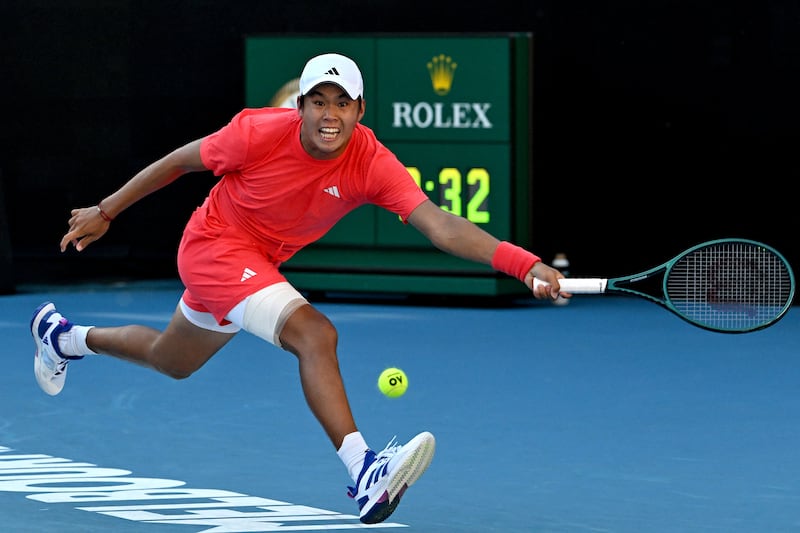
{"x": 668, "y": 123}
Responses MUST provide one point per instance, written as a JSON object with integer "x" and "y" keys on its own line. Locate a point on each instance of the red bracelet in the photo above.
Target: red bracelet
{"x": 513, "y": 260}
{"x": 103, "y": 214}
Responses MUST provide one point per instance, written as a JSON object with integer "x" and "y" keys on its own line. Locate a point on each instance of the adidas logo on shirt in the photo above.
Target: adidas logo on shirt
{"x": 333, "y": 191}
{"x": 247, "y": 274}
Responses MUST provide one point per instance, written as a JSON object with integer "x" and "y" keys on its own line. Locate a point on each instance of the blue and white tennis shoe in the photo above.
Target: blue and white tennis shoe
{"x": 49, "y": 364}
{"x": 386, "y": 476}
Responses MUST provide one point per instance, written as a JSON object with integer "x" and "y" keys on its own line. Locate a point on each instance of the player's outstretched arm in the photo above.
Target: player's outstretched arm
{"x": 460, "y": 237}
{"x": 87, "y": 224}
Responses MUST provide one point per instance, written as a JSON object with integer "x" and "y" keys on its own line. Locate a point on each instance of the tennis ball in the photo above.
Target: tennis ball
{"x": 393, "y": 382}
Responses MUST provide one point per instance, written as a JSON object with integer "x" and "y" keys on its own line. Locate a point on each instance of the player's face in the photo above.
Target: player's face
{"x": 329, "y": 117}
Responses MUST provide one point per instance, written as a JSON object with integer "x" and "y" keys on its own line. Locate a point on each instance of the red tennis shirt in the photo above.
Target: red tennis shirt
{"x": 273, "y": 199}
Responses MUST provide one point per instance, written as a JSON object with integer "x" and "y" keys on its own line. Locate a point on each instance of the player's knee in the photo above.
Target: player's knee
{"x": 178, "y": 375}
{"x": 177, "y": 363}
{"x": 314, "y": 334}
{"x": 323, "y": 335}
{"x": 177, "y": 372}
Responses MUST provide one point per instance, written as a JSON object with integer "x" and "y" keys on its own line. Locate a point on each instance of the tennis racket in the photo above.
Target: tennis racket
{"x": 725, "y": 285}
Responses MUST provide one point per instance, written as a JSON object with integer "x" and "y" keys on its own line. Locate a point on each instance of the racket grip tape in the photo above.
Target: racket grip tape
{"x": 578, "y": 285}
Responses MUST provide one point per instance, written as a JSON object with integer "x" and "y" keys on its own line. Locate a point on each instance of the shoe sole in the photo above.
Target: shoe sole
{"x": 45, "y": 384}
{"x": 405, "y": 475}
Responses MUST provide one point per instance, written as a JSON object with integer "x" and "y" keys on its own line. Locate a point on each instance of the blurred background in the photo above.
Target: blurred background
{"x": 656, "y": 125}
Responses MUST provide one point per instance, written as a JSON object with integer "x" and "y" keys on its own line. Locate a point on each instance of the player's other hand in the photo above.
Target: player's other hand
{"x": 85, "y": 226}
{"x": 551, "y": 276}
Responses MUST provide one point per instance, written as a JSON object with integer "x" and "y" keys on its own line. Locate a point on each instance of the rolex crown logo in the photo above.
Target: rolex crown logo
{"x": 442, "y": 69}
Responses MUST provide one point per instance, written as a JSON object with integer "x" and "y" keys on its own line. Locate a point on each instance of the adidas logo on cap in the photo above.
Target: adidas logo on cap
{"x": 332, "y": 68}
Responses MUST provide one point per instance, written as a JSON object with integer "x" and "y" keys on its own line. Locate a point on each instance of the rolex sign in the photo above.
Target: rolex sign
{"x": 443, "y": 88}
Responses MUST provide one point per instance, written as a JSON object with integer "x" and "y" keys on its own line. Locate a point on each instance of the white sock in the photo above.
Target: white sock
{"x": 73, "y": 342}
{"x": 352, "y": 453}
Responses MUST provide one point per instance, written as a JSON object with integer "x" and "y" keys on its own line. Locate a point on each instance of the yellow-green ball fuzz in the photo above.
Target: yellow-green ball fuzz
{"x": 393, "y": 382}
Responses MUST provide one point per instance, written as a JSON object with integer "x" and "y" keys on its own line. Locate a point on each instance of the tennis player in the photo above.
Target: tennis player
{"x": 286, "y": 177}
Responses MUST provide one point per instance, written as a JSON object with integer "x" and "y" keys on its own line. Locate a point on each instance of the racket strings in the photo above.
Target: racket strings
{"x": 734, "y": 286}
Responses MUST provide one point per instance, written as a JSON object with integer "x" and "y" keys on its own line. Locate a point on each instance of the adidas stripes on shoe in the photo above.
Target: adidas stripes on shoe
{"x": 386, "y": 476}
{"x": 49, "y": 364}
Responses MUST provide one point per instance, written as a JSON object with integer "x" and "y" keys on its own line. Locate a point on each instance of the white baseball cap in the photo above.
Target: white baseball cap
{"x": 332, "y": 68}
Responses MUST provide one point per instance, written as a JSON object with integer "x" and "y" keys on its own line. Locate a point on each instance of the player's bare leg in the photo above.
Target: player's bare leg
{"x": 182, "y": 348}
{"x": 380, "y": 478}
{"x": 311, "y": 337}
{"x": 178, "y": 351}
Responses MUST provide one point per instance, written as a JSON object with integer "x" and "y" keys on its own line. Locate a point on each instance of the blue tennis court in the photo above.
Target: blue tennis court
{"x": 606, "y": 415}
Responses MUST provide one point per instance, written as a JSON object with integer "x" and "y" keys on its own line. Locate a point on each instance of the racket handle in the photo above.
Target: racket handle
{"x": 579, "y": 285}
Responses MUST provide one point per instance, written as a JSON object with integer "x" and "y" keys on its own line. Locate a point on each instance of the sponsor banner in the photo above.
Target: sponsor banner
{"x": 443, "y": 89}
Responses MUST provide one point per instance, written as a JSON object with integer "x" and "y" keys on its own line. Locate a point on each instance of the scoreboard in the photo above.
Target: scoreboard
{"x": 456, "y": 110}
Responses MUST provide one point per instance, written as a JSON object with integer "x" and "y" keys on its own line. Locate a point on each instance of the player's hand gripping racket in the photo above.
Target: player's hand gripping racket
{"x": 726, "y": 285}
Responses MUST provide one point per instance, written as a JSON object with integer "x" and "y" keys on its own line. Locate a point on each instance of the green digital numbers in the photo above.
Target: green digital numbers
{"x": 478, "y": 191}
{"x": 450, "y": 190}
{"x": 452, "y": 195}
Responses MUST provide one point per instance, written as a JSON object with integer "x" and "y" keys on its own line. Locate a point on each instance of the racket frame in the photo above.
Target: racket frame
{"x": 622, "y": 284}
